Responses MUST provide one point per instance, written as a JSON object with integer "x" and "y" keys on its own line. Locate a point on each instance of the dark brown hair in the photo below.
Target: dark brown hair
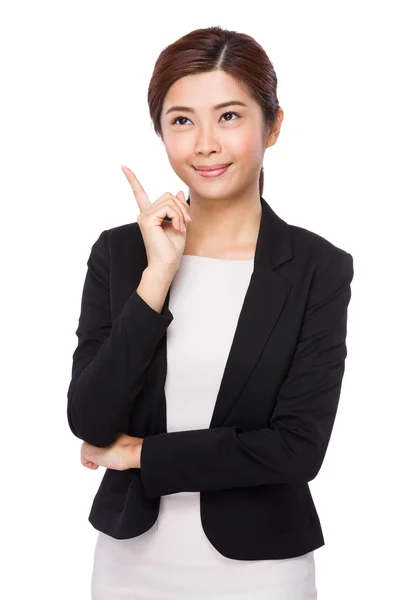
{"x": 210, "y": 49}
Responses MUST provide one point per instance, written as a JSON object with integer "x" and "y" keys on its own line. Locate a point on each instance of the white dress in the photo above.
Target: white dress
{"x": 174, "y": 560}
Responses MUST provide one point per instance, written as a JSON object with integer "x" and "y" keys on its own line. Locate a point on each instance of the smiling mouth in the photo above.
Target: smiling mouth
{"x": 213, "y": 173}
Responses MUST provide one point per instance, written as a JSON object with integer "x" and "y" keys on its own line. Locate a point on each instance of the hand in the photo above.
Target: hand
{"x": 164, "y": 240}
{"x": 123, "y": 454}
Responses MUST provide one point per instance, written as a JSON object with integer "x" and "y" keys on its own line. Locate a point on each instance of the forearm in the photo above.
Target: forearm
{"x": 103, "y": 389}
{"x": 292, "y": 448}
{"x": 154, "y": 286}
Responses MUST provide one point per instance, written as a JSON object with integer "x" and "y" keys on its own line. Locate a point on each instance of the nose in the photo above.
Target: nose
{"x": 206, "y": 141}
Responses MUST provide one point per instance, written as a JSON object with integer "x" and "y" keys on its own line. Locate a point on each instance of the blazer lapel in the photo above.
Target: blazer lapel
{"x": 263, "y": 303}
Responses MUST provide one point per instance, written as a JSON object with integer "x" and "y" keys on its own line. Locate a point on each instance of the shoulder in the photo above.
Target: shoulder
{"x": 318, "y": 258}
{"x": 123, "y": 236}
{"x": 121, "y": 231}
{"x": 116, "y": 244}
{"x": 308, "y": 248}
{"x": 315, "y": 247}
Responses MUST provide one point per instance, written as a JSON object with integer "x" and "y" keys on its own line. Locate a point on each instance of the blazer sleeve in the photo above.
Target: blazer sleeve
{"x": 292, "y": 448}
{"x": 111, "y": 358}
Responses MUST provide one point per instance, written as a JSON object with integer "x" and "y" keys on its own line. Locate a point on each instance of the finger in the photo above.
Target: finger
{"x": 89, "y": 464}
{"x": 176, "y": 218}
{"x": 171, "y": 207}
{"x": 184, "y": 215}
{"x": 182, "y": 196}
{"x": 181, "y": 206}
{"x": 92, "y": 466}
{"x": 139, "y": 193}
{"x": 184, "y": 206}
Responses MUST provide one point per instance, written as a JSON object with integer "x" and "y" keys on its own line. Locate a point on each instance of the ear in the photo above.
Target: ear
{"x": 274, "y": 132}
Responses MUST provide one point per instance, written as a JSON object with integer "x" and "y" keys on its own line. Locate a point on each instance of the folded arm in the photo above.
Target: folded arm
{"x": 292, "y": 448}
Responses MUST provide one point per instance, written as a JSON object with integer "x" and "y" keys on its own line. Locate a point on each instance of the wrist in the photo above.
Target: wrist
{"x": 137, "y": 454}
{"x": 163, "y": 274}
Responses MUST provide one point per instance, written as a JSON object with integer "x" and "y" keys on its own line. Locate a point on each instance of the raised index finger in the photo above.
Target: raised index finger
{"x": 139, "y": 193}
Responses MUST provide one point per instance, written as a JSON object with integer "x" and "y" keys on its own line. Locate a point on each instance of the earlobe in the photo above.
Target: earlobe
{"x": 280, "y": 118}
{"x": 272, "y": 138}
{"x": 275, "y": 130}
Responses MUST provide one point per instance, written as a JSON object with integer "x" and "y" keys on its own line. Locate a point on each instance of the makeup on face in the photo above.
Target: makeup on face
{"x": 211, "y": 173}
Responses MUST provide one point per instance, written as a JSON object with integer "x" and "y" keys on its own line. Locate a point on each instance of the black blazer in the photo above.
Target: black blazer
{"x": 274, "y": 411}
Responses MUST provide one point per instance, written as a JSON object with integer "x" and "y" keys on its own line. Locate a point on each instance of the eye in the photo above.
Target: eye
{"x": 174, "y": 122}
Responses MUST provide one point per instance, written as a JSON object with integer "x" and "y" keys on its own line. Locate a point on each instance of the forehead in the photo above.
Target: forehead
{"x": 204, "y": 90}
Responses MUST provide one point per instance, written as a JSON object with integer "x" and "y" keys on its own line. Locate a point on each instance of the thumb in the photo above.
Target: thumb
{"x": 181, "y": 196}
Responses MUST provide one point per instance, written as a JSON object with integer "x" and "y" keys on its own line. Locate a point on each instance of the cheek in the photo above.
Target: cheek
{"x": 244, "y": 146}
{"x": 177, "y": 153}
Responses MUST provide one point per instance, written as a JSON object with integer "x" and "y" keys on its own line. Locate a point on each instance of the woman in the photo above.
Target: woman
{"x": 211, "y": 353}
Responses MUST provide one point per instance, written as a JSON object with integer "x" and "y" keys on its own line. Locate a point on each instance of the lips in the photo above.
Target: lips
{"x": 212, "y": 167}
{"x": 212, "y": 172}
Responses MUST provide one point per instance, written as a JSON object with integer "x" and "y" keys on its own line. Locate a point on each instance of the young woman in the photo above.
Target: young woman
{"x": 211, "y": 351}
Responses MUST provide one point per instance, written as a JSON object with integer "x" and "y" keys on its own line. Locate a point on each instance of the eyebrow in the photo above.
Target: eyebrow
{"x": 216, "y": 107}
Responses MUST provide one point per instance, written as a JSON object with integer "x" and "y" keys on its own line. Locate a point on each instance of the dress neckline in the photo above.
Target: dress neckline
{"x": 242, "y": 260}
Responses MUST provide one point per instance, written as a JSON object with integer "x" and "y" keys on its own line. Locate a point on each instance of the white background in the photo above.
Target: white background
{"x": 74, "y": 80}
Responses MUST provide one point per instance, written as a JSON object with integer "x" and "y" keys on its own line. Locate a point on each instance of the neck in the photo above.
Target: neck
{"x": 218, "y": 225}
